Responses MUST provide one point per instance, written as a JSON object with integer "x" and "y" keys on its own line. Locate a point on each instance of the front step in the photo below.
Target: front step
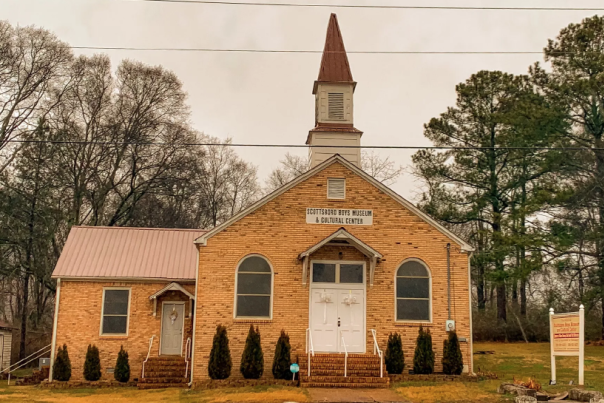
{"x": 327, "y": 371}
{"x": 164, "y": 372}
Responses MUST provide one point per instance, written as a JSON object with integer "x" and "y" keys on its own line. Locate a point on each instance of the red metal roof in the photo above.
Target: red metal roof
{"x": 334, "y": 63}
{"x": 123, "y": 252}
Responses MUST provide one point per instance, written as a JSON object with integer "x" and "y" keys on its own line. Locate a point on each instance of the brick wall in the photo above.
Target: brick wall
{"x": 279, "y": 232}
{"x": 80, "y": 320}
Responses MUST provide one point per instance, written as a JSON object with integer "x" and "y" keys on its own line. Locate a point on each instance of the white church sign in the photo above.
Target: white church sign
{"x": 339, "y": 216}
{"x": 567, "y": 338}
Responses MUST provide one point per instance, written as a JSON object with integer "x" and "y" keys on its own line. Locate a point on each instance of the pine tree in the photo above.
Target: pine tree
{"x": 395, "y": 359}
{"x": 61, "y": 370}
{"x": 423, "y": 361}
{"x": 252, "y": 360}
{"x": 452, "y": 359}
{"x": 220, "y": 363}
{"x": 282, "y": 359}
{"x": 122, "y": 366}
{"x": 92, "y": 365}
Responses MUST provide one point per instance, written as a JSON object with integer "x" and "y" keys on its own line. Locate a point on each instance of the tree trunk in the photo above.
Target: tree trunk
{"x": 523, "y": 297}
{"x": 480, "y": 289}
{"x": 25, "y": 297}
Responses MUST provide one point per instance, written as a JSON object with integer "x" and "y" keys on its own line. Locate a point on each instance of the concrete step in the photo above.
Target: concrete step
{"x": 340, "y": 371}
{"x": 343, "y": 379}
{"x": 161, "y": 385}
{"x": 163, "y": 380}
{"x": 343, "y": 385}
{"x": 164, "y": 373}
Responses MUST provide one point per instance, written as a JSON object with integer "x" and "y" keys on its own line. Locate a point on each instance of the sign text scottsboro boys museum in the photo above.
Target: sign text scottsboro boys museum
{"x": 339, "y": 216}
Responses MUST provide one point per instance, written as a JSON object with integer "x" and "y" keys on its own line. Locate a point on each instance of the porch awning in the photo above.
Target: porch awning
{"x": 169, "y": 287}
{"x": 341, "y": 238}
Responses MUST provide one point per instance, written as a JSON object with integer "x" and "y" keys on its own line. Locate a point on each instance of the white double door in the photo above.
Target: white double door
{"x": 336, "y": 314}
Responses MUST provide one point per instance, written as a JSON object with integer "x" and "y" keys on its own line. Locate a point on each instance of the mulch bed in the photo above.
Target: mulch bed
{"x": 237, "y": 383}
{"x": 432, "y": 378}
{"x": 85, "y": 384}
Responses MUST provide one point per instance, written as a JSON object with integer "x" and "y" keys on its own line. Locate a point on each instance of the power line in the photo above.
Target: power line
{"x": 387, "y": 7}
{"x": 369, "y": 52}
{"x": 125, "y": 143}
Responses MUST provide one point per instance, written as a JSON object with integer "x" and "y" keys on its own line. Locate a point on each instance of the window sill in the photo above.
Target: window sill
{"x": 252, "y": 320}
{"x": 114, "y": 337}
{"x": 414, "y": 324}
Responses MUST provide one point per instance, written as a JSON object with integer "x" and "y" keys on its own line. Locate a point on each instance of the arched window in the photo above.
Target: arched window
{"x": 254, "y": 288}
{"x": 413, "y": 292}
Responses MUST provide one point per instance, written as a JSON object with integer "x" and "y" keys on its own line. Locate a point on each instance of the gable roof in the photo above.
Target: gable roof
{"x": 337, "y": 158}
{"x": 343, "y": 236}
{"x": 128, "y": 253}
{"x": 334, "y": 62}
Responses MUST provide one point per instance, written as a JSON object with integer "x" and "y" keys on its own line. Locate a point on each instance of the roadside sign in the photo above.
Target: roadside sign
{"x": 294, "y": 368}
{"x": 567, "y": 338}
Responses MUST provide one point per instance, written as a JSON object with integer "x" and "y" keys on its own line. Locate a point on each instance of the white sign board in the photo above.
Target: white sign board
{"x": 339, "y": 216}
{"x": 567, "y": 338}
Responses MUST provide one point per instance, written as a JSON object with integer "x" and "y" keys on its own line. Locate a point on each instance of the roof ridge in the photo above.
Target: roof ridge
{"x": 139, "y": 228}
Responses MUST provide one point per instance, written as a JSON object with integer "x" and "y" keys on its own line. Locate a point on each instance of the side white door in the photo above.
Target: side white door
{"x": 351, "y": 316}
{"x": 324, "y": 316}
{"x": 172, "y": 321}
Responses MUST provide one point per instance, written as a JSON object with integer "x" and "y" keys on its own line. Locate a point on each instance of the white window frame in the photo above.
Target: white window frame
{"x": 337, "y": 284}
{"x": 270, "y": 265}
{"x": 336, "y": 198}
{"x": 129, "y": 289}
{"x": 430, "y": 319}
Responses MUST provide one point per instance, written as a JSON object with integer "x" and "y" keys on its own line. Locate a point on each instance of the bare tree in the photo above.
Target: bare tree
{"x": 33, "y": 66}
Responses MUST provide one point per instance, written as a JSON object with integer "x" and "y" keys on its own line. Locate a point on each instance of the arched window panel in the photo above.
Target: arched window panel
{"x": 413, "y": 297}
{"x": 254, "y": 288}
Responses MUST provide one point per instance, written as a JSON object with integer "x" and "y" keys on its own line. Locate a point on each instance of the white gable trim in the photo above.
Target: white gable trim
{"x": 171, "y": 287}
{"x": 465, "y": 247}
{"x": 343, "y": 234}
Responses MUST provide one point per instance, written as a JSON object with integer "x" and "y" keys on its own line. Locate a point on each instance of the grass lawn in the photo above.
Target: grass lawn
{"x": 517, "y": 359}
{"x": 514, "y": 359}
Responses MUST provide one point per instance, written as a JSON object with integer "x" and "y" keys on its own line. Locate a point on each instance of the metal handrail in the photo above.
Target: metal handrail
{"x": 376, "y": 347}
{"x": 18, "y": 362}
{"x": 187, "y": 356}
{"x": 345, "y": 357}
{"x": 310, "y": 350}
{"x": 148, "y": 354}
{"x": 39, "y": 355}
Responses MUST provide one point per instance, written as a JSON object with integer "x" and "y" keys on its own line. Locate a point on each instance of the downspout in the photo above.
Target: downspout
{"x": 194, "y": 320}
{"x": 449, "y": 279}
{"x": 55, "y": 322}
{"x": 471, "y": 338}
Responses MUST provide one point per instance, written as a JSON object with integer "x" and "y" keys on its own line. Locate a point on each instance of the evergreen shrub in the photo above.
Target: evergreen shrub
{"x": 92, "y": 365}
{"x": 61, "y": 369}
{"x": 423, "y": 360}
{"x": 282, "y": 359}
{"x": 122, "y": 366}
{"x": 452, "y": 358}
{"x": 252, "y": 360}
{"x": 395, "y": 359}
{"x": 220, "y": 363}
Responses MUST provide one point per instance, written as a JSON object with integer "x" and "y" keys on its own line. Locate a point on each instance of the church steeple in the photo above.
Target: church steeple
{"x": 334, "y": 90}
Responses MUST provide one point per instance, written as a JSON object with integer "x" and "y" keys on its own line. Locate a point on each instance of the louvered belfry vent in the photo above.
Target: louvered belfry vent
{"x": 335, "y": 110}
{"x": 336, "y": 188}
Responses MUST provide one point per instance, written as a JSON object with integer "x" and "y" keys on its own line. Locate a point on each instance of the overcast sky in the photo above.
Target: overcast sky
{"x": 267, "y": 98}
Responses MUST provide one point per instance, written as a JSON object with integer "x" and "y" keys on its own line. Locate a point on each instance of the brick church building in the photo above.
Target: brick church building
{"x": 335, "y": 258}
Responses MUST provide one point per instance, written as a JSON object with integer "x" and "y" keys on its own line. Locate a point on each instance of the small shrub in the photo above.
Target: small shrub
{"x": 452, "y": 358}
{"x": 122, "y": 366}
{"x": 423, "y": 360}
{"x": 61, "y": 369}
{"x": 282, "y": 360}
{"x": 220, "y": 363}
{"x": 395, "y": 359}
{"x": 252, "y": 360}
{"x": 92, "y": 365}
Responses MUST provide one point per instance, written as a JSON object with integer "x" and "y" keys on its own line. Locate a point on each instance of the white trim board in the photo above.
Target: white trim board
{"x": 465, "y": 247}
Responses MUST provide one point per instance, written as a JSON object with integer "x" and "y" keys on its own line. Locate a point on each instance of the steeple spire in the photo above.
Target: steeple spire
{"x": 334, "y": 63}
{"x": 334, "y": 129}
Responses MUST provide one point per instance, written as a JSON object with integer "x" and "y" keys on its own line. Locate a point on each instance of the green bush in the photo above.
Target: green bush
{"x": 282, "y": 359}
{"x": 122, "y": 366}
{"x": 220, "y": 363}
{"x": 452, "y": 359}
{"x": 252, "y": 360}
{"x": 92, "y": 365}
{"x": 423, "y": 360}
{"x": 395, "y": 359}
{"x": 61, "y": 369}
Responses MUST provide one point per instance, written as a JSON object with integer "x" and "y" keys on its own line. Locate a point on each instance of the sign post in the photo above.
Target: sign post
{"x": 567, "y": 338}
{"x": 294, "y": 368}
